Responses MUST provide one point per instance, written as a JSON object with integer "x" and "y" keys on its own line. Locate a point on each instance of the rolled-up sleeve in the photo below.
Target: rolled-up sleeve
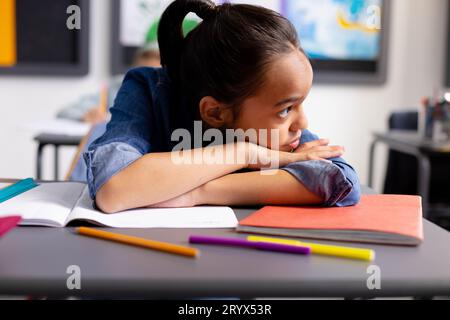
{"x": 127, "y": 136}
{"x": 106, "y": 161}
{"x": 337, "y": 182}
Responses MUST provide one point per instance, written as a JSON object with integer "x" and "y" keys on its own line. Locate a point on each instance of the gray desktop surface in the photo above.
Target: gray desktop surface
{"x": 34, "y": 261}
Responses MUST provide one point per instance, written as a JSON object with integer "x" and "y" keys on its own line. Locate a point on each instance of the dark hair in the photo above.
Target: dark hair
{"x": 226, "y": 56}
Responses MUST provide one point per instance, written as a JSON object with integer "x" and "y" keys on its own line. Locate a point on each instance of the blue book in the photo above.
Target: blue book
{"x": 16, "y": 189}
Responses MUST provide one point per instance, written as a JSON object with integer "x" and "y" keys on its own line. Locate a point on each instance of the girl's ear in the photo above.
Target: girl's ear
{"x": 215, "y": 114}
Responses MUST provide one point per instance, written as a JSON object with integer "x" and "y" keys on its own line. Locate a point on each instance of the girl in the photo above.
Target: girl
{"x": 242, "y": 68}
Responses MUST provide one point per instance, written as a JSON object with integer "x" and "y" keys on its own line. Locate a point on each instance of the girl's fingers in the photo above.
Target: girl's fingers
{"x": 327, "y": 154}
{"x": 312, "y": 144}
{"x": 322, "y": 152}
{"x": 319, "y": 149}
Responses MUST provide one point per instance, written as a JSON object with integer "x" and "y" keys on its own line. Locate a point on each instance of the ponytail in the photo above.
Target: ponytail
{"x": 226, "y": 56}
{"x": 170, "y": 31}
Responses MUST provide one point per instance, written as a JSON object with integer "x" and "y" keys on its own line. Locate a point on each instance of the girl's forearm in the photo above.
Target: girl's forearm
{"x": 157, "y": 177}
{"x": 253, "y": 188}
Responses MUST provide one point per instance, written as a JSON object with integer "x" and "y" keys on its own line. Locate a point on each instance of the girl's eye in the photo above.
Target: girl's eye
{"x": 285, "y": 112}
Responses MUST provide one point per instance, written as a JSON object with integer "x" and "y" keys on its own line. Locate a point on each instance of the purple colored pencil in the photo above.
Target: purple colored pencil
{"x": 266, "y": 246}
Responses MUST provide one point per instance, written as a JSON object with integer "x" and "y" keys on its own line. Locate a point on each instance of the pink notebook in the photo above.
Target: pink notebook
{"x": 386, "y": 219}
{"x": 8, "y": 223}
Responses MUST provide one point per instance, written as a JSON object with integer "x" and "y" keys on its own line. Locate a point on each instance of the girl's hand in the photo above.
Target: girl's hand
{"x": 318, "y": 150}
{"x": 261, "y": 158}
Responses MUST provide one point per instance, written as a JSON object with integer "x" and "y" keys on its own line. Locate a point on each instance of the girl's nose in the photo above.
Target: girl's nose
{"x": 299, "y": 124}
{"x": 301, "y": 121}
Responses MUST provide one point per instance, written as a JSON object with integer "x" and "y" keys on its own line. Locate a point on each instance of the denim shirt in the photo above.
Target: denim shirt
{"x": 141, "y": 123}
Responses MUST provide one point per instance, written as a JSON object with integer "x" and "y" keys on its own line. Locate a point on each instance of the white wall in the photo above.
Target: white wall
{"x": 346, "y": 114}
{"x": 24, "y": 99}
{"x": 349, "y": 114}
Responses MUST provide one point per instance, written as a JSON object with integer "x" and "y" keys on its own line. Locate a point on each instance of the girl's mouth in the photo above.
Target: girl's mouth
{"x": 295, "y": 144}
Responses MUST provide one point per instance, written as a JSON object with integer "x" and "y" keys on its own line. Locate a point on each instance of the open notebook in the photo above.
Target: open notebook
{"x": 58, "y": 204}
{"x": 384, "y": 219}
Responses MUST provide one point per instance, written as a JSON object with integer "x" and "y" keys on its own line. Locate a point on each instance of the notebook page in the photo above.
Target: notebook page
{"x": 48, "y": 204}
{"x": 197, "y": 217}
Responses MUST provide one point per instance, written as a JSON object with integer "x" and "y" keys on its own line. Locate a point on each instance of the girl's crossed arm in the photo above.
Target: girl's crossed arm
{"x": 332, "y": 183}
{"x": 156, "y": 178}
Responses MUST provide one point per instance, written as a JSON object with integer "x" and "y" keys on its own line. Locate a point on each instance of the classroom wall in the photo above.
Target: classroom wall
{"x": 36, "y": 98}
{"x": 417, "y": 50}
{"x": 346, "y": 114}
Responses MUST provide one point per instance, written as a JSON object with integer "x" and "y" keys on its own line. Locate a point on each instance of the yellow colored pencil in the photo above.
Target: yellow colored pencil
{"x": 140, "y": 242}
{"x": 322, "y": 249}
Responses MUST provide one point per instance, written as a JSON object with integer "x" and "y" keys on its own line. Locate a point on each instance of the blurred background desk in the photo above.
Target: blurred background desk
{"x": 429, "y": 155}
{"x": 55, "y": 140}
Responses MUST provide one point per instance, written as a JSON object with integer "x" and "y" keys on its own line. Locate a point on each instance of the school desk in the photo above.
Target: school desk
{"x": 34, "y": 261}
{"x": 57, "y": 141}
{"x": 412, "y": 143}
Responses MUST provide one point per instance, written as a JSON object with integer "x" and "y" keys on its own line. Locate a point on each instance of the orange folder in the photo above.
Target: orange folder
{"x": 8, "y": 50}
{"x": 385, "y": 219}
